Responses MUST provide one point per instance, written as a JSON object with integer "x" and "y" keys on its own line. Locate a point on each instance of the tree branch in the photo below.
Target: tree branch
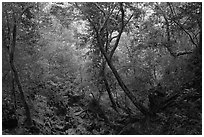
{"x": 178, "y": 24}
{"x": 92, "y": 24}
{"x": 113, "y": 38}
{"x": 169, "y": 38}
{"x": 123, "y": 25}
{"x": 121, "y": 31}
{"x": 100, "y": 9}
{"x": 184, "y": 53}
{"x": 128, "y": 20}
{"x": 168, "y": 45}
{"x": 12, "y": 48}
{"x": 105, "y": 22}
{"x": 186, "y": 33}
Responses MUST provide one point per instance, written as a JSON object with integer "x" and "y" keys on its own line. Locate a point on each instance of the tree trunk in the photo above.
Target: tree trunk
{"x": 14, "y": 92}
{"x": 100, "y": 42}
{"x": 107, "y": 86}
{"x": 200, "y": 40}
{"x": 16, "y": 77}
{"x": 127, "y": 91}
{"x": 142, "y": 108}
{"x": 28, "y": 115}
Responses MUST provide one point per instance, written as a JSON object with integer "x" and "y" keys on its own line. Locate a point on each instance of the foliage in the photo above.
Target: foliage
{"x": 102, "y": 68}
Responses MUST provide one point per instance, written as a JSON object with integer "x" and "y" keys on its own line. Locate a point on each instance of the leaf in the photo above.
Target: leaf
{"x": 71, "y": 131}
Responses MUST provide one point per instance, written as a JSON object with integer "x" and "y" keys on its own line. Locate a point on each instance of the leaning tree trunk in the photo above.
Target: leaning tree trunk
{"x": 141, "y": 107}
{"x": 100, "y": 43}
{"x": 107, "y": 85}
{"x": 16, "y": 76}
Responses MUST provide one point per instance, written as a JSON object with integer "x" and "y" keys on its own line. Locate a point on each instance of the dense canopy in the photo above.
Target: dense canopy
{"x": 102, "y": 68}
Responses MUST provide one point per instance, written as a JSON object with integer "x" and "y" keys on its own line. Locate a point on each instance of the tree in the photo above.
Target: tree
{"x": 65, "y": 64}
{"x": 13, "y": 19}
{"x": 103, "y": 35}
